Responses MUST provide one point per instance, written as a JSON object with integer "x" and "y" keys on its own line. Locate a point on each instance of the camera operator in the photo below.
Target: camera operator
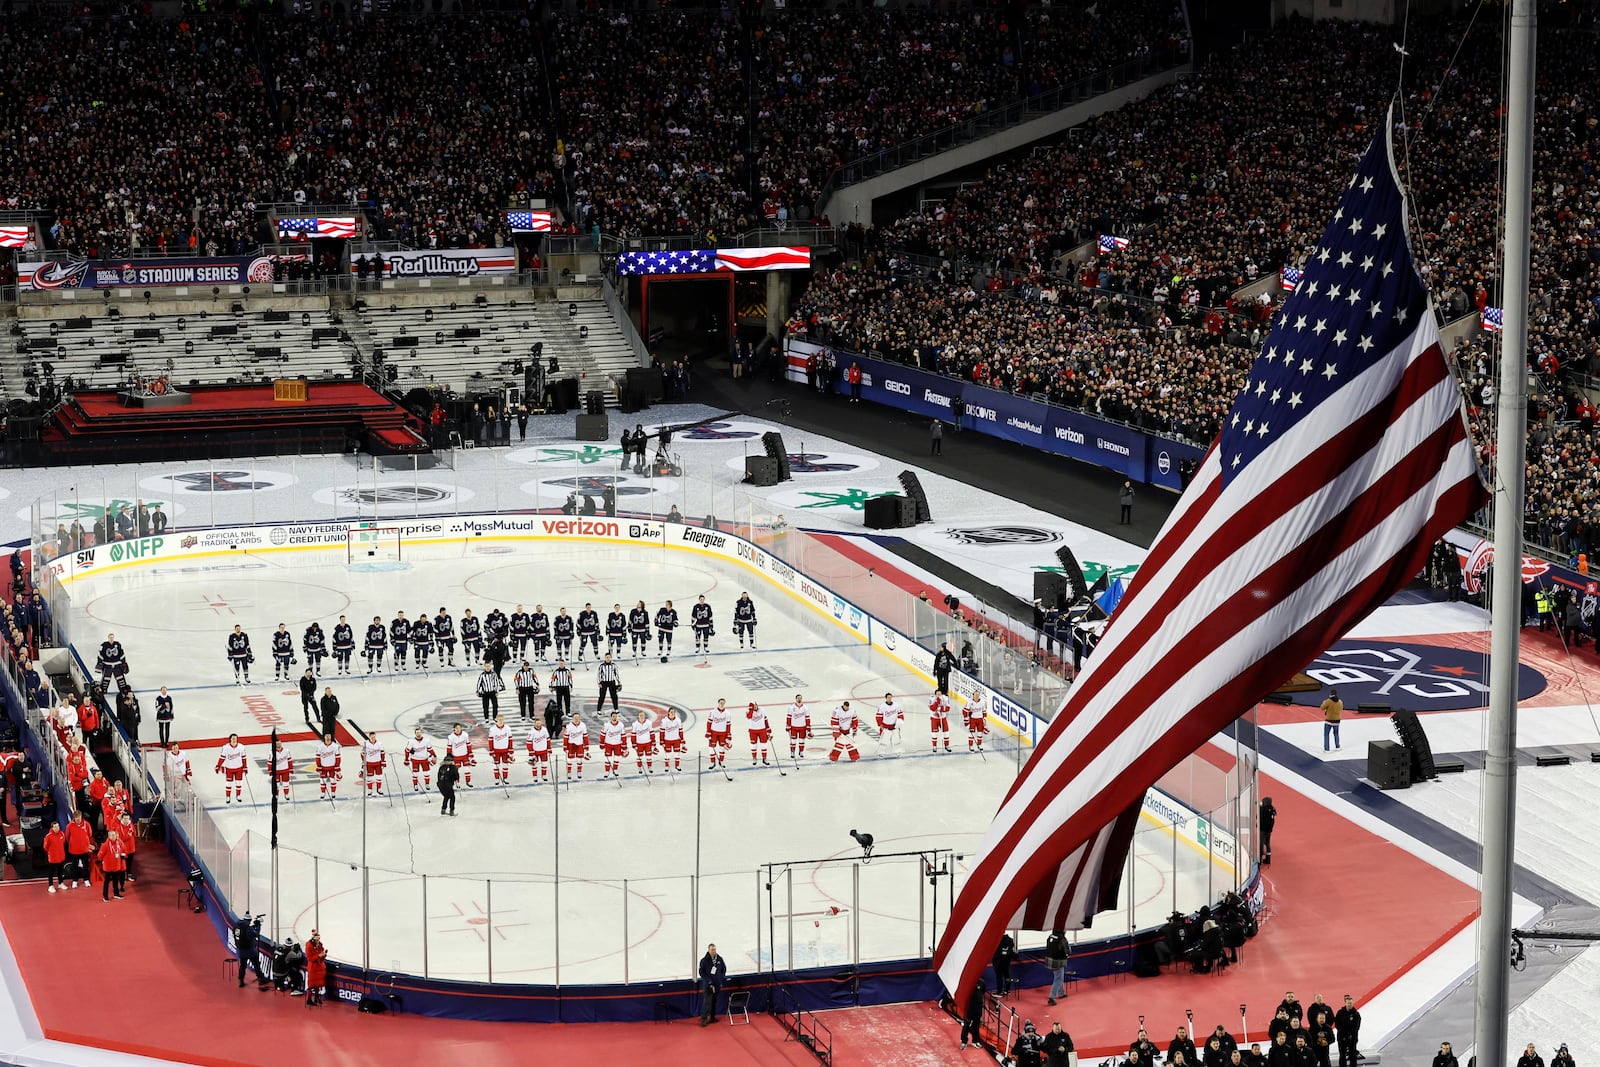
{"x": 246, "y": 933}
{"x": 287, "y": 965}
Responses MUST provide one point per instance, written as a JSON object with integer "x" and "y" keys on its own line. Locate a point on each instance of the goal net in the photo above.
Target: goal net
{"x": 371, "y": 543}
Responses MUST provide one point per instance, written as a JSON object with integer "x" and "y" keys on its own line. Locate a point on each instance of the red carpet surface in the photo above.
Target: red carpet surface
{"x": 105, "y": 404}
{"x": 1335, "y": 925}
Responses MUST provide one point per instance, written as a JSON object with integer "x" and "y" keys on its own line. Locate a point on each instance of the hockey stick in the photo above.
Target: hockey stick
{"x": 722, "y": 765}
{"x": 251, "y": 787}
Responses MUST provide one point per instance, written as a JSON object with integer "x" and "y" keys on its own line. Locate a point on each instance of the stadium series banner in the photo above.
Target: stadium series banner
{"x": 1063, "y": 431}
{"x": 449, "y": 262}
{"x": 143, "y": 273}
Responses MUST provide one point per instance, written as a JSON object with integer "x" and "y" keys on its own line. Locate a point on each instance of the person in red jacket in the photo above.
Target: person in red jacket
{"x": 113, "y": 867}
{"x": 129, "y": 834}
{"x": 316, "y": 969}
{"x": 97, "y": 792}
{"x": 77, "y": 769}
{"x": 80, "y": 848}
{"x": 55, "y": 854}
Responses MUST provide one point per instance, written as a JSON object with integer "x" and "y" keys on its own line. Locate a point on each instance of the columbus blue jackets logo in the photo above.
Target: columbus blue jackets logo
{"x": 817, "y": 463}
{"x": 715, "y": 431}
{"x": 588, "y": 485}
{"x": 1412, "y": 676}
{"x": 219, "y": 481}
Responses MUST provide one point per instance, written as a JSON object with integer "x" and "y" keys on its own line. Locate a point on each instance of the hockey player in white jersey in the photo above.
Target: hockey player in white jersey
{"x": 760, "y": 731}
{"x": 845, "y": 724}
{"x": 282, "y": 769}
{"x": 613, "y": 744}
{"x": 643, "y": 735}
{"x": 798, "y": 721}
{"x": 671, "y": 727}
{"x": 500, "y": 742}
{"x": 459, "y": 742}
{"x": 939, "y": 719}
{"x": 373, "y": 762}
{"x": 232, "y": 764}
{"x": 719, "y": 733}
{"x": 421, "y": 757}
{"x": 889, "y": 716}
{"x": 575, "y": 742}
{"x": 539, "y": 750}
{"x": 329, "y": 773}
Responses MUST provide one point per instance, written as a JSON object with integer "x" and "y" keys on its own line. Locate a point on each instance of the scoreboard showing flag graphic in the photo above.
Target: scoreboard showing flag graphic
{"x": 1494, "y": 319}
{"x": 15, "y": 236}
{"x": 303, "y": 229}
{"x": 530, "y": 221}
{"x": 1109, "y": 243}
{"x": 714, "y": 260}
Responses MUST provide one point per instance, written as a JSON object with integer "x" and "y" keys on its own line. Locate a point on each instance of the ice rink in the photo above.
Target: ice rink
{"x": 489, "y": 894}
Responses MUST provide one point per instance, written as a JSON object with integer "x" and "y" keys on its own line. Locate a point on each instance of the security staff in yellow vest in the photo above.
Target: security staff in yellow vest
{"x": 1542, "y": 605}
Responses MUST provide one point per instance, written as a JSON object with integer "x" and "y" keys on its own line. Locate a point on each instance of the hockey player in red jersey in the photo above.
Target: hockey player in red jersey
{"x": 939, "y": 720}
{"x": 500, "y": 742}
{"x": 889, "y": 717}
{"x": 539, "y": 751}
{"x": 643, "y": 733}
{"x": 373, "y": 762}
{"x": 760, "y": 731}
{"x": 672, "y": 739}
{"x": 231, "y": 765}
{"x": 575, "y": 741}
{"x": 459, "y": 744}
{"x": 719, "y": 733}
{"x": 799, "y": 722}
{"x": 614, "y": 744}
{"x": 845, "y": 725}
{"x": 328, "y": 766}
{"x": 282, "y": 768}
{"x": 421, "y": 757}
{"x": 977, "y": 716}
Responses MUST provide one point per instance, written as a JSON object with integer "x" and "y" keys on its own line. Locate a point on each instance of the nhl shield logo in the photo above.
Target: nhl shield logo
{"x": 1003, "y": 535}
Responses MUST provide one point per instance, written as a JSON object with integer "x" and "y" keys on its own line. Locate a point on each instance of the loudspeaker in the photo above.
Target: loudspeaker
{"x": 1050, "y": 589}
{"x": 1282, "y": 699}
{"x": 1411, "y": 735}
{"x": 908, "y": 511}
{"x": 644, "y": 385}
{"x": 1388, "y": 765}
{"x": 594, "y": 428}
{"x": 594, "y": 402}
{"x": 1373, "y": 709}
{"x": 881, "y": 512}
{"x": 1074, "y": 573}
{"x": 762, "y": 470}
{"x": 772, "y": 441}
{"x": 913, "y": 488}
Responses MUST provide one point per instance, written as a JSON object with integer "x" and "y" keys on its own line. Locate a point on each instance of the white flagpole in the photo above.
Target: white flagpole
{"x": 1500, "y": 761}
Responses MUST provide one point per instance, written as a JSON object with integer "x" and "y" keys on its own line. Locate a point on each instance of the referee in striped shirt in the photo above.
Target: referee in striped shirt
{"x": 610, "y": 682}
{"x": 561, "y": 690}
{"x": 527, "y": 683}
{"x": 489, "y": 686}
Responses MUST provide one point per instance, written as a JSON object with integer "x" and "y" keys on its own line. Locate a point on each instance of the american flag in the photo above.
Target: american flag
{"x": 1343, "y": 460}
{"x": 1494, "y": 319}
{"x": 1112, "y": 244}
{"x": 671, "y": 261}
{"x": 1290, "y": 277}
{"x": 530, "y": 221}
{"x": 15, "y": 236}
{"x": 303, "y": 228}
{"x": 784, "y": 258}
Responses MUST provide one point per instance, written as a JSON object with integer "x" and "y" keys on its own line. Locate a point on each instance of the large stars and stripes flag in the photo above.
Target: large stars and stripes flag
{"x": 301, "y": 229}
{"x": 1290, "y": 277}
{"x": 530, "y": 221}
{"x": 1112, "y": 244}
{"x": 1343, "y": 459}
{"x": 15, "y": 236}
{"x": 1494, "y": 319}
{"x": 712, "y": 260}
{"x": 778, "y": 258}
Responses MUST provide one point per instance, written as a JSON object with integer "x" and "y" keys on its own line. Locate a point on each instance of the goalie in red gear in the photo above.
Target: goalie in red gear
{"x": 889, "y": 717}
{"x": 845, "y": 725}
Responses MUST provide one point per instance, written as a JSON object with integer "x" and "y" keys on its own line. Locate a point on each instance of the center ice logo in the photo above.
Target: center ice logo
{"x": 439, "y": 719}
{"x": 1415, "y": 676}
{"x": 715, "y": 431}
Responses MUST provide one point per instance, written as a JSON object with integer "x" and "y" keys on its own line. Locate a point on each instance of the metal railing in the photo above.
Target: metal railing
{"x": 1000, "y": 118}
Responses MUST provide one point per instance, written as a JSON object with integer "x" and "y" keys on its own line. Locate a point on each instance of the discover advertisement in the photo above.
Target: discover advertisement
{"x": 1063, "y": 431}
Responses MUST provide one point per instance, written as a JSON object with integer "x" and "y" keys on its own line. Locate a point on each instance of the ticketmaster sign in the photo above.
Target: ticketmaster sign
{"x": 1063, "y": 431}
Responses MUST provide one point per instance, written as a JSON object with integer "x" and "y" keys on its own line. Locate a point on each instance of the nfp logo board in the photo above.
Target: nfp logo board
{"x": 1413, "y": 676}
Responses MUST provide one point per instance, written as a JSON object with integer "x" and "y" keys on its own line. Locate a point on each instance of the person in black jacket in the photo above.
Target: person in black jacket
{"x": 972, "y": 1016}
{"x": 329, "y": 706}
{"x": 447, "y": 785}
{"x": 713, "y": 976}
{"x": 245, "y": 933}
{"x": 944, "y": 661}
{"x": 1445, "y": 1058}
{"x": 1182, "y": 1042}
{"x": 1144, "y": 1050}
{"x": 1057, "y": 1047}
{"x": 1268, "y": 820}
{"x": 1004, "y": 954}
{"x": 1028, "y": 1049}
{"x": 1319, "y": 1024}
{"x": 1530, "y": 1055}
{"x": 1347, "y": 1024}
{"x": 308, "y": 697}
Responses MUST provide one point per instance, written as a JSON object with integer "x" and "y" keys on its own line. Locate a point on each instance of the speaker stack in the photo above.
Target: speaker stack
{"x": 1388, "y": 765}
{"x": 1073, "y": 573}
{"x": 594, "y": 402}
{"x": 1412, "y": 737}
{"x": 762, "y": 470}
{"x": 913, "y": 488}
{"x": 1050, "y": 589}
{"x": 594, "y": 428}
{"x": 772, "y": 441}
{"x": 880, "y": 513}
